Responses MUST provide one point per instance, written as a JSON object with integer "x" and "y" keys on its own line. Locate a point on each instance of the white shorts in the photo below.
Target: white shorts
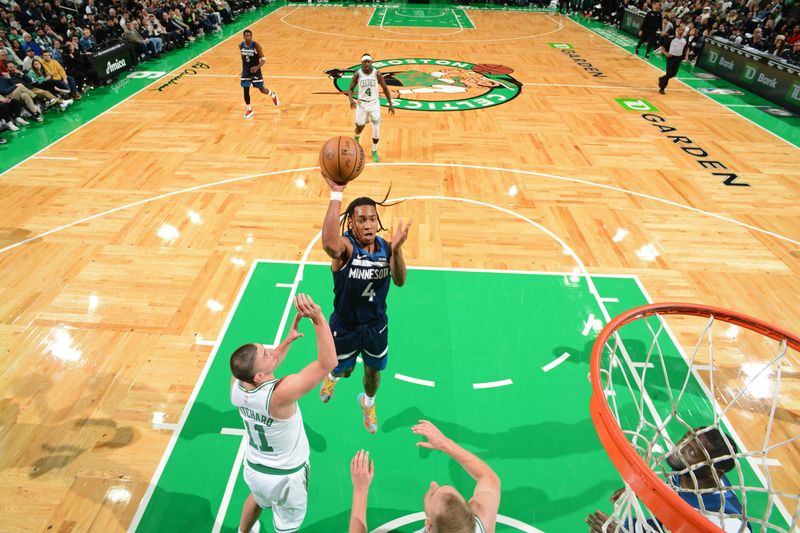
{"x": 365, "y": 110}
{"x": 286, "y": 494}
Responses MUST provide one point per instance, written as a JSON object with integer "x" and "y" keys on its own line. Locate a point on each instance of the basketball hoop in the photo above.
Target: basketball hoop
{"x": 638, "y": 409}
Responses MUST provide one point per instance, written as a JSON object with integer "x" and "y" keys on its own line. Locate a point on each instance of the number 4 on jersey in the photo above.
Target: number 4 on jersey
{"x": 368, "y": 292}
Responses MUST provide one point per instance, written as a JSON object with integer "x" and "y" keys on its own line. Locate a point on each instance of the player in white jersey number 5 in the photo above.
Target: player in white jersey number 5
{"x": 368, "y": 103}
{"x": 276, "y": 460}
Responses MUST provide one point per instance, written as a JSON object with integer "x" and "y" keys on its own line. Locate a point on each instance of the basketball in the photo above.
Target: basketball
{"x": 490, "y": 68}
{"x": 341, "y": 159}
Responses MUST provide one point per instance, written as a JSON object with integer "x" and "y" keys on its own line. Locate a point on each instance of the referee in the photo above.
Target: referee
{"x": 675, "y": 54}
{"x": 648, "y": 30}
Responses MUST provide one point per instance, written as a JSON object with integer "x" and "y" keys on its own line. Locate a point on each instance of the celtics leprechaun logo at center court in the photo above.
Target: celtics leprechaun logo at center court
{"x": 439, "y": 84}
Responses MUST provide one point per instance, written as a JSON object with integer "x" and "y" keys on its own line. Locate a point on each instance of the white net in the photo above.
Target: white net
{"x": 718, "y": 422}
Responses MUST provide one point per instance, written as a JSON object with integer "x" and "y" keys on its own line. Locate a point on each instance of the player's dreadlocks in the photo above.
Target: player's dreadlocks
{"x": 365, "y": 200}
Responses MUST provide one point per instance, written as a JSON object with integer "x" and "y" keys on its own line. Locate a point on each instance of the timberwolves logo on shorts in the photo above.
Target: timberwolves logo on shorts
{"x": 439, "y": 84}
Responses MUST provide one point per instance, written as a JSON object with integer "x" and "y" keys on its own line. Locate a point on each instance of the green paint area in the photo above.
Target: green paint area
{"x": 31, "y": 139}
{"x": 456, "y": 329}
{"x": 787, "y": 128}
{"x": 419, "y": 17}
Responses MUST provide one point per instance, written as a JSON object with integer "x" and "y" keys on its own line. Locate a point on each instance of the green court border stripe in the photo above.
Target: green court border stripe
{"x": 761, "y": 122}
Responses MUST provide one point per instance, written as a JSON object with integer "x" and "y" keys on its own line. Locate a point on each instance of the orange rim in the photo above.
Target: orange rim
{"x": 662, "y": 501}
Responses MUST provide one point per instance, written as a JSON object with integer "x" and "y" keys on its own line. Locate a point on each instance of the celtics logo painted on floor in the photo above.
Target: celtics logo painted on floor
{"x": 439, "y": 84}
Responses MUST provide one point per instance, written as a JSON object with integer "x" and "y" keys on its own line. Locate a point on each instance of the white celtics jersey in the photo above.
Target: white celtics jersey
{"x": 279, "y": 444}
{"x": 368, "y": 85}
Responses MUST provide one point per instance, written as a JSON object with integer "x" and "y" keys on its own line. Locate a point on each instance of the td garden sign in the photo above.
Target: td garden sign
{"x": 438, "y": 84}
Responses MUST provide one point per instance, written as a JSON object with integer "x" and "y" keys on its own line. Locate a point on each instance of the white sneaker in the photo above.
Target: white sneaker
{"x": 65, "y": 104}
{"x": 12, "y": 126}
{"x": 52, "y": 101}
{"x": 21, "y": 121}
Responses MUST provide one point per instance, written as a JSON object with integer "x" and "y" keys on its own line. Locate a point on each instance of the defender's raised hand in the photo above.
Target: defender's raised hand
{"x": 436, "y": 439}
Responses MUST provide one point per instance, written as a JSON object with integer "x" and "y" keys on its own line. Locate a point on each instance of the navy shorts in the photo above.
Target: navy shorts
{"x": 256, "y": 79}
{"x": 370, "y": 341}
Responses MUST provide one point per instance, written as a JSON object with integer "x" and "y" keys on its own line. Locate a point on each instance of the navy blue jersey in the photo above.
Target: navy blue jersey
{"x": 361, "y": 286}
{"x": 250, "y": 59}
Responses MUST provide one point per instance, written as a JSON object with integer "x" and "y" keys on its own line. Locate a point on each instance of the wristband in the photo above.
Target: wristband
{"x": 336, "y": 196}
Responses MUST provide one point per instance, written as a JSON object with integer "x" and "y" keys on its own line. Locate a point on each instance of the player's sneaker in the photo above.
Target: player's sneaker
{"x": 375, "y": 156}
{"x": 326, "y": 391}
{"x": 249, "y": 113}
{"x": 370, "y": 418}
{"x": 274, "y": 97}
{"x": 356, "y": 138}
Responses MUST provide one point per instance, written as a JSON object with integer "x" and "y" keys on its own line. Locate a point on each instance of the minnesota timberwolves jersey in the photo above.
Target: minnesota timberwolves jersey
{"x": 367, "y": 85}
{"x": 361, "y": 286}
{"x": 250, "y": 59}
{"x": 280, "y": 444}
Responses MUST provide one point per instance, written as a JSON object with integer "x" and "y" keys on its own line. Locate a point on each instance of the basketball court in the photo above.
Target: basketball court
{"x": 551, "y": 189}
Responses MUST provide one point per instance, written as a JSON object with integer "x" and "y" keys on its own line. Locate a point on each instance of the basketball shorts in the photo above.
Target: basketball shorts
{"x": 256, "y": 79}
{"x": 371, "y": 341}
{"x": 285, "y": 493}
{"x": 368, "y": 110}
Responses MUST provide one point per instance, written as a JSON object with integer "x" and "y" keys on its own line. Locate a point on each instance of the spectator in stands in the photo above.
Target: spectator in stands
{"x": 210, "y": 12}
{"x": 28, "y": 60}
{"x": 158, "y": 43}
{"x": 40, "y": 79}
{"x": 155, "y": 30}
{"x": 75, "y": 63}
{"x": 7, "y": 55}
{"x": 178, "y": 21}
{"x": 73, "y": 30}
{"x": 189, "y": 17}
{"x": 56, "y": 50}
{"x": 749, "y": 24}
{"x": 792, "y": 55}
{"x": 694, "y": 41}
{"x": 30, "y": 44}
{"x": 175, "y": 31}
{"x": 90, "y": 9}
{"x": 50, "y": 14}
{"x": 113, "y": 30}
{"x": 144, "y": 47}
{"x": 778, "y": 45}
{"x": 224, "y": 10}
{"x": 59, "y": 75}
{"x": 735, "y": 36}
{"x": 756, "y": 41}
{"x": 21, "y": 94}
{"x": 795, "y": 36}
{"x": 41, "y": 93}
{"x": 10, "y": 115}
{"x": 768, "y": 30}
{"x": 88, "y": 42}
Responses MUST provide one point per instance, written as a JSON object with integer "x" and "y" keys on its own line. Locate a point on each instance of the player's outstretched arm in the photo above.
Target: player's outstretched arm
{"x": 350, "y": 95}
{"x": 361, "y": 471}
{"x": 485, "y": 499}
{"x": 397, "y": 261}
{"x": 294, "y": 386}
{"x": 335, "y": 245}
